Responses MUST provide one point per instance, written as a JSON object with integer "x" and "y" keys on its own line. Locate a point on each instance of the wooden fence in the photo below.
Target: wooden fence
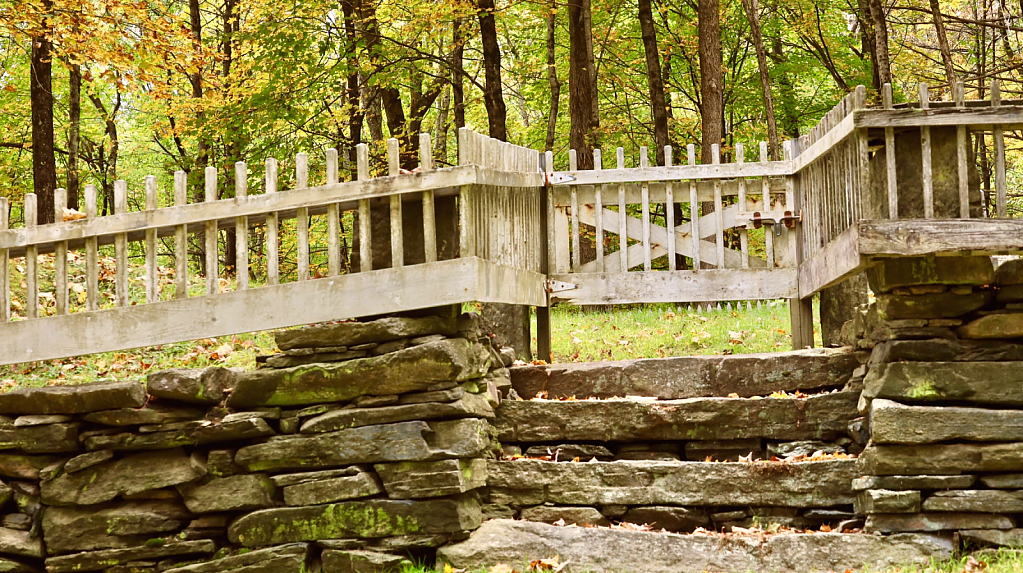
{"x": 498, "y": 189}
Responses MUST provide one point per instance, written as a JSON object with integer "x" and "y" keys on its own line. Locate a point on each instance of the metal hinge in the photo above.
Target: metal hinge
{"x": 774, "y": 218}
{"x": 553, "y": 286}
{"x": 558, "y": 178}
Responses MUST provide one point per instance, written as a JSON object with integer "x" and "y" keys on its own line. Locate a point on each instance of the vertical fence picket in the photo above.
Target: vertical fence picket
{"x": 598, "y": 212}
{"x": 999, "y": 137}
{"x": 694, "y": 210}
{"x": 365, "y": 223}
{"x": 121, "y": 246}
{"x": 552, "y": 246}
{"x": 573, "y": 165}
{"x": 241, "y": 227}
{"x": 212, "y": 258}
{"x": 623, "y": 219}
{"x": 925, "y": 145}
{"x": 740, "y": 158}
{"x": 719, "y": 215}
{"x": 60, "y": 256}
{"x": 889, "y": 153}
{"x": 152, "y": 261}
{"x": 273, "y": 262}
{"x": 962, "y": 157}
{"x": 5, "y": 279}
{"x": 429, "y": 209}
{"x": 31, "y": 260}
{"x": 302, "y": 217}
{"x": 91, "y": 254}
{"x": 180, "y": 238}
{"x": 645, "y": 208}
{"x": 333, "y": 218}
{"x": 766, "y": 200}
{"x": 397, "y": 240}
{"x": 669, "y": 212}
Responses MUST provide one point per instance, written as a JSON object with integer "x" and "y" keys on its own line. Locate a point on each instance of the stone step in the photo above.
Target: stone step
{"x": 820, "y": 417}
{"x": 691, "y": 376}
{"x": 819, "y": 484}
{"x": 517, "y": 543}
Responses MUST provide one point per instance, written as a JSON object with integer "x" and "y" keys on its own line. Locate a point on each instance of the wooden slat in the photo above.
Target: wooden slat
{"x": 921, "y": 237}
{"x": 429, "y": 207}
{"x": 999, "y": 138}
{"x": 273, "y": 276}
{"x": 302, "y": 217}
{"x": 397, "y": 239}
{"x": 241, "y": 228}
{"x": 645, "y": 209}
{"x": 669, "y": 210}
{"x": 833, "y": 264}
{"x": 623, "y": 239}
{"x": 552, "y": 237}
{"x": 91, "y": 254}
{"x": 889, "y": 153}
{"x": 598, "y": 199}
{"x": 562, "y": 196}
{"x": 740, "y": 158}
{"x": 562, "y": 241}
{"x": 180, "y": 238}
{"x": 718, "y": 209}
{"x": 31, "y": 259}
{"x": 962, "y": 157}
{"x": 212, "y": 256}
{"x": 694, "y": 210}
{"x": 573, "y": 166}
{"x": 677, "y": 173}
{"x": 410, "y": 288}
{"x": 677, "y": 286}
{"x": 5, "y": 279}
{"x": 60, "y": 287}
{"x": 121, "y": 247}
{"x": 976, "y": 119}
{"x": 365, "y": 223}
{"x": 152, "y": 269}
{"x": 925, "y": 143}
{"x": 333, "y": 218}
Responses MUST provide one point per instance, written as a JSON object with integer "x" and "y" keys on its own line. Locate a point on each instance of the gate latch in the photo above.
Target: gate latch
{"x": 552, "y": 286}
{"x": 774, "y": 218}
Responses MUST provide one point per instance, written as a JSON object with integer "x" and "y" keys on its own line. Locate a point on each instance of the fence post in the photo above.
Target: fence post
{"x": 543, "y": 314}
{"x": 800, "y": 309}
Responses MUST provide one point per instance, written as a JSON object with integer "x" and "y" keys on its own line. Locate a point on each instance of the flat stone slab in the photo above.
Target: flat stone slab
{"x": 804, "y": 484}
{"x": 887, "y": 501}
{"x": 129, "y": 475}
{"x": 600, "y": 550}
{"x": 409, "y": 370}
{"x": 467, "y": 406}
{"x": 288, "y": 558}
{"x": 151, "y": 414}
{"x": 1003, "y": 481}
{"x": 941, "y": 459}
{"x": 996, "y": 537}
{"x": 996, "y": 326}
{"x": 235, "y": 493}
{"x": 355, "y": 333}
{"x": 995, "y": 383}
{"x": 934, "y": 305}
{"x": 817, "y": 417}
{"x": 329, "y": 490}
{"x": 930, "y": 270}
{"x": 20, "y": 543}
{"x": 690, "y": 376}
{"x": 78, "y": 399}
{"x": 942, "y": 350}
{"x": 358, "y": 519}
{"x": 894, "y": 523}
{"x": 194, "y": 386}
{"x": 894, "y": 423}
{"x": 404, "y": 441}
{"x": 111, "y": 525}
{"x": 416, "y": 480}
{"x": 97, "y": 560}
{"x": 21, "y": 466}
{"x": 48, "y": 439}
{"x": 975, "y": 501}
{"x": 907, "y": 483}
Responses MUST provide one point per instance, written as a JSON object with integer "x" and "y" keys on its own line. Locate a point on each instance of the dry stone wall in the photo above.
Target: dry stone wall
{"x": 357, "y": 446}
{"x": 943, "y": 390}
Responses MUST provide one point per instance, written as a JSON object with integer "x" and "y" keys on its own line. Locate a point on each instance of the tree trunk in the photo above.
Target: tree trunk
{"x": 712, "y": 110}
{"x": 44, "y": 166}
{"x": 493, "y": 94}
{"x": 110, "y": 128}
{"x": 74, "y": 131}
{"x": 884, "y": 65}
{"x": 440, "y": 146}
{"x": 867, "y": 40}
{"x": 946, "y": 53}
{"x": 580, "y": 82}
{"x": 458, "y": 74}
{"x": 786, "y": 91}
{"x": 356, "y": 116}
{"x": 232, "y": 147}
{"x": 753, "y": 14}
{"x": 552, "y": 76}
{"x": 654, "y": 79}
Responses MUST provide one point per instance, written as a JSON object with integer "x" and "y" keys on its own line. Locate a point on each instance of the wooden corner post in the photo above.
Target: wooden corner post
{"x": 800, "y": 309}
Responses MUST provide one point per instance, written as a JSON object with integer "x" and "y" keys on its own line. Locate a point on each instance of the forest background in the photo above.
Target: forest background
{"x": 92, "y": 91}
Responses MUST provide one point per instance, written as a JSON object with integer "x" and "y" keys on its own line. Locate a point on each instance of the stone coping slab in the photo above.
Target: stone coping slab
{"x": 691, "y": 376}
{"x": 601, "y": 550}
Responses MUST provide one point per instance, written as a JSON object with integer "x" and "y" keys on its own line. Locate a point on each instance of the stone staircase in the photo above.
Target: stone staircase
{"x": 718, "y": 463}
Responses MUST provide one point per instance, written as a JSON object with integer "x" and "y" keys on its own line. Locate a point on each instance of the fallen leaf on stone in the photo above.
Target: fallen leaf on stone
{"x": 502, "y": 568}
{"x": 554, "y": 564}
{"x": 560, "y": 522}
{"x": 72, "y": 215}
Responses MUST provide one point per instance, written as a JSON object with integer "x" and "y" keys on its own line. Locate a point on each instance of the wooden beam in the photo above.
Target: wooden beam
{"x": 917, "y": 237}
{"x": 978, "y": 118}
{"x": 675, "y": 173}
{"x": 450, "y": 282}
{"x": 677, "y": 286}
{"x": 837, "y": 261}
{"x": 823, "y": 145}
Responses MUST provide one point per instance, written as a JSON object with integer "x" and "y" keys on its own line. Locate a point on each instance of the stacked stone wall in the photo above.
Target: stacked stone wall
{"x": 943, "y": 392}
{"x": 358, "y": 446}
